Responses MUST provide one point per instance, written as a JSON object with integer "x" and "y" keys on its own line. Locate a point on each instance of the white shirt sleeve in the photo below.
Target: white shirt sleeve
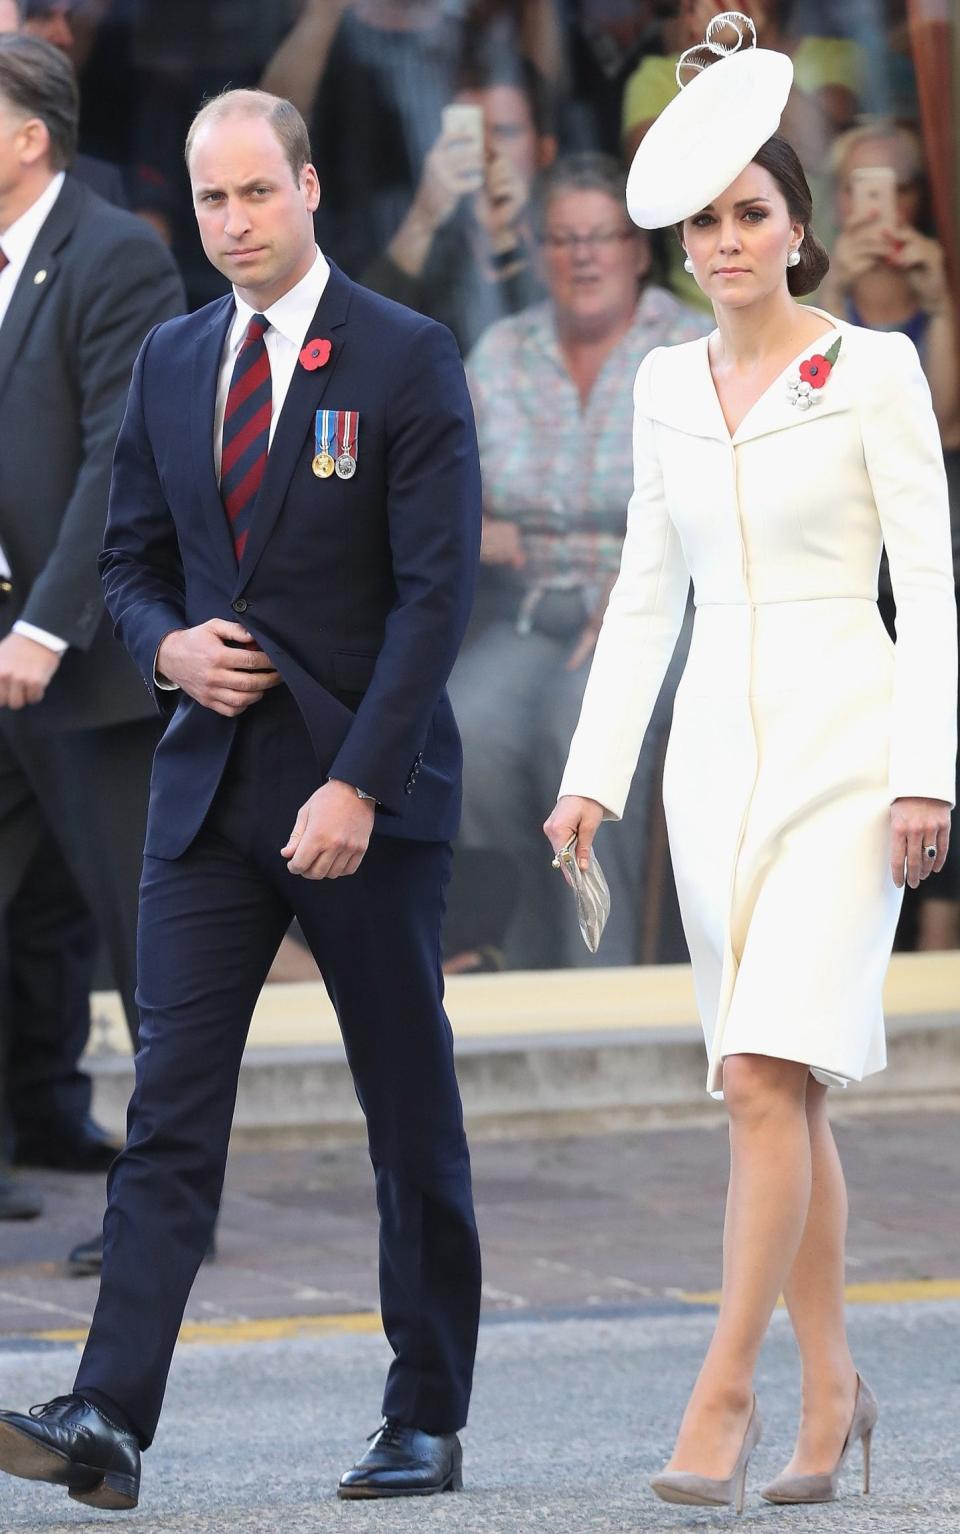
{"x": 50, "y": 641}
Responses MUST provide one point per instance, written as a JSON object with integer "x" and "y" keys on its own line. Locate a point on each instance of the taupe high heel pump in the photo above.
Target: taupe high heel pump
{"x": 703, "y": 1490}
{"x": 823, "y": 1488}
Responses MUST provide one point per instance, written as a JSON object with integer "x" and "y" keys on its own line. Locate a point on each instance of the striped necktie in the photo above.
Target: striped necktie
{"x": 246, "y": 432}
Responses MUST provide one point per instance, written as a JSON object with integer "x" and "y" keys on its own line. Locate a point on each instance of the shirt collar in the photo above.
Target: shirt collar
{"x": 292, "y": 314}
{"x": 19, "y": 239}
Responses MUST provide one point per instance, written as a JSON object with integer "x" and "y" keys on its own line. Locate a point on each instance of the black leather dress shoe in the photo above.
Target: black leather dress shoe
{"x": 86, "y": 1258}
{"x": 17, "y": 1202}
{"x": 72, "y": 1444}
{"x": 403, "y": 1462}
{"x": 85, "y": 1148}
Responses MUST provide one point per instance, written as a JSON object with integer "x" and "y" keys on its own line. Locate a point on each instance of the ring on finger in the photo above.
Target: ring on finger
{"x": 930, "y": 850}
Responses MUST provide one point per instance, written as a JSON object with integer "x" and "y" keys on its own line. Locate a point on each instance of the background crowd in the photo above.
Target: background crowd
{"x": 472, "y": 157}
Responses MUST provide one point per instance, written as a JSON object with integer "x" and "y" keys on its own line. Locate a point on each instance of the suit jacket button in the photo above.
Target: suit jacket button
{"x": 240, "y": 605}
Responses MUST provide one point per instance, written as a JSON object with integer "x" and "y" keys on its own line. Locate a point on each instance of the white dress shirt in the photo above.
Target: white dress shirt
{"x": 290, "y": 319}
{"x": 16, "y": 243}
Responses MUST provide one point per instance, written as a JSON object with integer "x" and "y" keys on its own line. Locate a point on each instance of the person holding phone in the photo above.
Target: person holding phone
{"x": 888, "y": 272}
{"x": 463, "y": 253}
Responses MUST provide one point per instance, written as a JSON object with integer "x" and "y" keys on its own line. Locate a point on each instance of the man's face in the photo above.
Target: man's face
{"x": 12, "y": 168}
{"x": 9, "y": 17}
{"x": 256, "y": 220}
{"x": 51, "y": 22}
{"x": 509, "y": 129}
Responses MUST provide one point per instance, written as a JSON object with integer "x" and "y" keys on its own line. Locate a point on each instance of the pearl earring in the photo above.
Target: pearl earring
{"x": 688, "y": 266}
{"x": 794, "y": 258}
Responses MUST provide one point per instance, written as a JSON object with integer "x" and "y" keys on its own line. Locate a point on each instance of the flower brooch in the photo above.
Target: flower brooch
{"x": 316, "y": 354}
{"x": 803, "y": 387}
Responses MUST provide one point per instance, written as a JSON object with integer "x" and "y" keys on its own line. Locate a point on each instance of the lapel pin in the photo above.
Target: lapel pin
{"x": 40, "y": 276}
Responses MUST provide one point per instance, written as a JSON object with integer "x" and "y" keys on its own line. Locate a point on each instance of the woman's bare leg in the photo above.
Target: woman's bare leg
{"x": 814, "y": 1295}
{"x": 767, "y": 1205}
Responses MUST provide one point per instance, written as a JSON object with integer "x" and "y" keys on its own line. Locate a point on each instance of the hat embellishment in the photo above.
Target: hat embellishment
{"x": 702, "y": 55}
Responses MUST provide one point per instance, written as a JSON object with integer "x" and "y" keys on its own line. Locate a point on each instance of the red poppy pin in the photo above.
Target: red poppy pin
{"x": 803, "y": 387}
{"x": 316, "y": 354}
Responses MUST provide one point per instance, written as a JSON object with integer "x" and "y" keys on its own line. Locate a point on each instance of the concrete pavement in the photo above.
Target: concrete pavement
{"x": 570, "y": 1418}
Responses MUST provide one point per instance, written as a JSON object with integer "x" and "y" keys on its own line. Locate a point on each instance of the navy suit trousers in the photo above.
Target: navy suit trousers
{"x": 210, "y": 924}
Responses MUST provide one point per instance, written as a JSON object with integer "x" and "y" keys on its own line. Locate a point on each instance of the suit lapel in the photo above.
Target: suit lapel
{"x": 296, "y": 418}
{"x": 38, "y": 277}
{"x": 203, "y": 407}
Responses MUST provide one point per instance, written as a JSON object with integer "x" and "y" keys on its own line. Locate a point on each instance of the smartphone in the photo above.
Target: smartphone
{"x": 873, "y": 190}
{"x": 465, "y": 124}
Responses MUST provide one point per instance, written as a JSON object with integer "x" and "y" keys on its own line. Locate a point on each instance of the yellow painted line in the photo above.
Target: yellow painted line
{"x": 266, "y": 1329}
{"x": 893, "y": 1292}
{"x": 366, "y": 1322}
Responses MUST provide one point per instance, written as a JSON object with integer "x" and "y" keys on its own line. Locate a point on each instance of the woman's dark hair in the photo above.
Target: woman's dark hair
{"x": 782, "y": 161}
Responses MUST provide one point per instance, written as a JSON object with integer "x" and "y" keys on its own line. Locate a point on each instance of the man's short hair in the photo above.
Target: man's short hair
{"x": 37, "y": 80}
{"x": 282, "y": 115}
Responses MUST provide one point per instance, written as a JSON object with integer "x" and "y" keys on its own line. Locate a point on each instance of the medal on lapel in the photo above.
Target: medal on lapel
{"x": 348, "y": 430}
{"x": 323, "y": 464}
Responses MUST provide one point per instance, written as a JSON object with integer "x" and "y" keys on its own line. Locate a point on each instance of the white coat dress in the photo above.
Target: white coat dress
{"x": 797, "y": 721}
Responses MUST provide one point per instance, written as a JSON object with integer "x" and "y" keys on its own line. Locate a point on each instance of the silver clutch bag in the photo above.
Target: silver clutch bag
{"x": 590, "y": 891}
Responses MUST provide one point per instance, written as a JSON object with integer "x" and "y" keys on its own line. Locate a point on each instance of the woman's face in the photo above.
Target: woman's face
{"x": 895, "y": 152}
{"x": 593, "y": 258}
{"x": 739, "y": 244}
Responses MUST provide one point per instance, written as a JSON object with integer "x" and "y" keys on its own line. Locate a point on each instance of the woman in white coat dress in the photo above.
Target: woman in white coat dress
{"x": 810, "y": 766}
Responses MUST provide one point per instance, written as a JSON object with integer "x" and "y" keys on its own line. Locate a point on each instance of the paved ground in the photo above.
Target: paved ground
{"x": 569, "y": 1420}
{"x": 595, "y": 1221}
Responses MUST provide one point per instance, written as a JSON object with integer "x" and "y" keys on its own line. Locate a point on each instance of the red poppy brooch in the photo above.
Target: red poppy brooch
{"x": 803, "y": 386}
{"x": 316, "y": 354}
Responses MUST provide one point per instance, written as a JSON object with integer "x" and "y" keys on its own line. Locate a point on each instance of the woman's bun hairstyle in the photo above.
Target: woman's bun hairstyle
{"x": 782, "y": 161}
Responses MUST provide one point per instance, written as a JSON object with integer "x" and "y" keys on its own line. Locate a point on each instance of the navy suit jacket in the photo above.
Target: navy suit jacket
{"x": 358, "y": 590}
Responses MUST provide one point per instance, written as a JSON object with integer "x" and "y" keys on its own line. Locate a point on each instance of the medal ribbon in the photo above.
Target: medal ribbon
{"x": 322, "y": 428}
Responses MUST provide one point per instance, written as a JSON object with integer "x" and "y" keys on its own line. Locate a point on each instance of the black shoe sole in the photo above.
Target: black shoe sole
{"x": 454, "y": 1482}
{"x": 24, "y": 1456}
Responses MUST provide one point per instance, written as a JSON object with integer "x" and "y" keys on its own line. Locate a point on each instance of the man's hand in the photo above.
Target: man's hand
{"x": 501, "y": 543}
{"x": 450, "y": 172}
{"x": 501, "y": 206}
{"x": 207, "y": 664}
{"x": 26, "y": 670}
{"x": 574, "y": 815}
{"x": 331, "y": 834}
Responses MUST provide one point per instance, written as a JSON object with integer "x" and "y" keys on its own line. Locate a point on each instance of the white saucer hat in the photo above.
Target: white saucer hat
{"x": 710, "y": 132}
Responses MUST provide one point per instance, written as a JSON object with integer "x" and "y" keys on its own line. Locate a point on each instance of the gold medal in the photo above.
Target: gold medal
{"x": 323, "y": 466}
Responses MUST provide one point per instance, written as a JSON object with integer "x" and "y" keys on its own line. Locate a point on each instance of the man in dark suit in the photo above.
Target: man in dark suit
{"x": 290, "y": 557}
{"x": 80, "y": 284}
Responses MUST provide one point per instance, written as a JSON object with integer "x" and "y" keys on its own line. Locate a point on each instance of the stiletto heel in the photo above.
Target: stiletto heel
{"x": 705, "y": 1491}
{"x": 823, "y": 1487}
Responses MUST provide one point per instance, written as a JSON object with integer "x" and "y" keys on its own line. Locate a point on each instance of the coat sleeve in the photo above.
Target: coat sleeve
{"x": 140, "y": 567}
{"x": 433, "y": 517}
{"x": 904, "y": 459}
{"x": 639, "y": 631}
{"x": 113, "y": 318}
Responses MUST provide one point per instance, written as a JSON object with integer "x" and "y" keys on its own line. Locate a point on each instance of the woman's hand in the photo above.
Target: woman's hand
{"x": 574, "y": 815}
{"x": 860, "y": 246}
{"x": 915, "y": 825}
{"x": 923, "y": 264}
{"x": 501, "y": 544}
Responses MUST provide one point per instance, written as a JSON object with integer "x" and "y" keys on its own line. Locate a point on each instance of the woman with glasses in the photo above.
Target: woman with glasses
{"x": 552, "y": 388}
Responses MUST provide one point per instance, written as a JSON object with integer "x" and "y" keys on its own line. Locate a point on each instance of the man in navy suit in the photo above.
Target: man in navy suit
{"x": 290, "y": 558}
